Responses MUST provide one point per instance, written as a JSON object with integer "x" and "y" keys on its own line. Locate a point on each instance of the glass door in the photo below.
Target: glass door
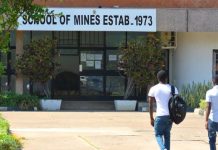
{"x": 66, "y": 82}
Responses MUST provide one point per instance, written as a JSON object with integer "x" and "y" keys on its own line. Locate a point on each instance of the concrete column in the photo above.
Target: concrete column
{"x": 19, "y": 50}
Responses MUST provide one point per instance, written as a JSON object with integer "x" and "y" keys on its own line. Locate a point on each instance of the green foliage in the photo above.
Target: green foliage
{"x": 10, "y": 11}
{"x": 8, "y": 99}
{"x": 22, "y": 102}
{"x": 4, "y": 126}
{"x": 203, "y": 104}
{"x": 141, "y": 59}
{"x": 7, "y": 141}
{"x": 193, "y": 93}
{"x": 28, "y": 102}
{"x": 38, "y": 61}
{"x": 2, "y": 69}
{"x": 4, "y": 40}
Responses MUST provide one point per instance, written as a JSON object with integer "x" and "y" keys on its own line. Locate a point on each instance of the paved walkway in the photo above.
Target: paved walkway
{"x": 101, "y": 131}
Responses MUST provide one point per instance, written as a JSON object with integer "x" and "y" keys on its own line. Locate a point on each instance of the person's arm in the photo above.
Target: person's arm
{"x": 151, "y": 101}
{"x": 208, "y": 108}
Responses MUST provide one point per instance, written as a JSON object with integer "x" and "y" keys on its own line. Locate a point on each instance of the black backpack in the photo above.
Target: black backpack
{"x": 177, "y": 107}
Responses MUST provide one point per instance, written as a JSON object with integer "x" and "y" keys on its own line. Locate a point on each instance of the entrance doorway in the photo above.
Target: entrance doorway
{"x": 88, "y": 66}
{"x": 66, "y": 82}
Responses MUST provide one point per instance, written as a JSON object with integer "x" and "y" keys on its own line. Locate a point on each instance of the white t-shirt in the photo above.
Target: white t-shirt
{"x": 212, "y": 97}
{"x": 161, "y": 93}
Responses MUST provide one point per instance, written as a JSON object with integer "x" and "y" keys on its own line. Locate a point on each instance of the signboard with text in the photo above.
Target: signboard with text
{"x": 93, "y": 19}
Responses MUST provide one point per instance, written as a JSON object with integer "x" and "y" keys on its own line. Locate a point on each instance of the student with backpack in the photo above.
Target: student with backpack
{"x": 211, "y": 123}
{"x": 161, "y": 93}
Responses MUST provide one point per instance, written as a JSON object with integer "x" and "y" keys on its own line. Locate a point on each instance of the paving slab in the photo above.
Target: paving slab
{"x": 101, "y": 131}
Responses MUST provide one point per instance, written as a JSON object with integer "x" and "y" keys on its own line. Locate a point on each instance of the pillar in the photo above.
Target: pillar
{"x": 19, "y": 50}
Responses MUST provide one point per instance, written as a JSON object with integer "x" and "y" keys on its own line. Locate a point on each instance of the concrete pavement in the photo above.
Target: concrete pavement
{"x": 101, "y": 131}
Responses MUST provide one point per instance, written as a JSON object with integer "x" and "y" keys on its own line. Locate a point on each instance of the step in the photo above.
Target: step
{"x": 88, "y": 105}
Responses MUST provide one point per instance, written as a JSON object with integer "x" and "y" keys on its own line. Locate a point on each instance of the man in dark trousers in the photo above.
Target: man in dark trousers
{"x": 211, "y": 123}
{"x": 161, "y": 93}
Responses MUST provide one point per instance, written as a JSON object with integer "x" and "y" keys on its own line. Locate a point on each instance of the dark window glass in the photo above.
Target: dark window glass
{"x": 13, "y": 38}
{"x": 12, "y": 83}
{"x": 115, "y": 85}
{"x": 4, "y": 83}
{"x": 114, "y": 39}
{"x": 68, "y": 63}
{"x": 91, "y": 85}
{"x": 112, "y": 59}
{"x": 26, "y": 37}
{"x": 12, "y": 61}
{"x": 66, "y": 38}
{"x": 36, "y": 35}
{"x": 215, "y": 62}
{"x": 68, "y": 51}
{"x": 135, "y": 35}
{"x": 92, "y": 39}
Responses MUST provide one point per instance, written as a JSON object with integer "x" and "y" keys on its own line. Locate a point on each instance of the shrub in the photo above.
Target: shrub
{"x": 194, "y": 92}
{"x": 8, "y": 141}
{"x": 28, "y": 102}
{"x": 8, "y": 99}
{"x": 22, "y": 102}
{"x": 203, "y": 104}
{"x": 4, "y": 126}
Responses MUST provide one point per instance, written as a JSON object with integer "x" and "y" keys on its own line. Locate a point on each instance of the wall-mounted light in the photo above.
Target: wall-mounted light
{"x": 116, "y": 6}
{"x": 28, "y": 86}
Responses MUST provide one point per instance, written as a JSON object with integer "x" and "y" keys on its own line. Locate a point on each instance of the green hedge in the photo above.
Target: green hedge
{"x": 21, "y": 102}
{"x": 194, "y": 92}
{"x": 8, "y": 141}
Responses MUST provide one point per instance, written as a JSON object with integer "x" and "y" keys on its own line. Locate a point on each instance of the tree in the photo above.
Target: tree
{"x": 140, "y": 61}
{"x": 10, "y": 11}
{"x": 38, "y": 62}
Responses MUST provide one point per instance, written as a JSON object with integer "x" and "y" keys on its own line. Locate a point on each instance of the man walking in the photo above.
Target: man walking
{"x": 161, "y": 93}
{"x": 211, "y": 123}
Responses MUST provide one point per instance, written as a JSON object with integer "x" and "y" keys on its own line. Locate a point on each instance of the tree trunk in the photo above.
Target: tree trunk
{"x": 129, "y": 88}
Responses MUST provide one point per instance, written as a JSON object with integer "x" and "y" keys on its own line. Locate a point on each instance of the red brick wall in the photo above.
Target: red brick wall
{"x": 131, "y": 3}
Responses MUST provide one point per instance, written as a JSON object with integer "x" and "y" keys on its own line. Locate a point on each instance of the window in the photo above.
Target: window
{"x": 215, "y": 62}
{"x": 115, "y": 85}
{"x": 4, "y": 83}
{"x": 26, "y": 37}
{"x": 114, "y": 39}
{"x": 92, "y": 39}
{"x": 135, "y": 35}
{"x": 68, "y": 51}
{"x": 66, "y": 39}
{"x": 37, "y": 35}
{"x": 12, "y": 61}
{"x": 91, "y": 60}
{"x": 112, "y": 59}
{"x": 13, "y": 38}
{"x": 91, "y": 85}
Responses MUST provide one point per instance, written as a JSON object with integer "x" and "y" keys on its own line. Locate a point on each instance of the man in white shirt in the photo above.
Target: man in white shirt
{"x": 211, "y": 123}
{"x": 161, "y": 93}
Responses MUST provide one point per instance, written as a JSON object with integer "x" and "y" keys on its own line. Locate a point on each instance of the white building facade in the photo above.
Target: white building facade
{"x": 89, "y": 47}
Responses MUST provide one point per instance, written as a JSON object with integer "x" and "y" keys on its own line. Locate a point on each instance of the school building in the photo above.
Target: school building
{"x": 89, "y": 33}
